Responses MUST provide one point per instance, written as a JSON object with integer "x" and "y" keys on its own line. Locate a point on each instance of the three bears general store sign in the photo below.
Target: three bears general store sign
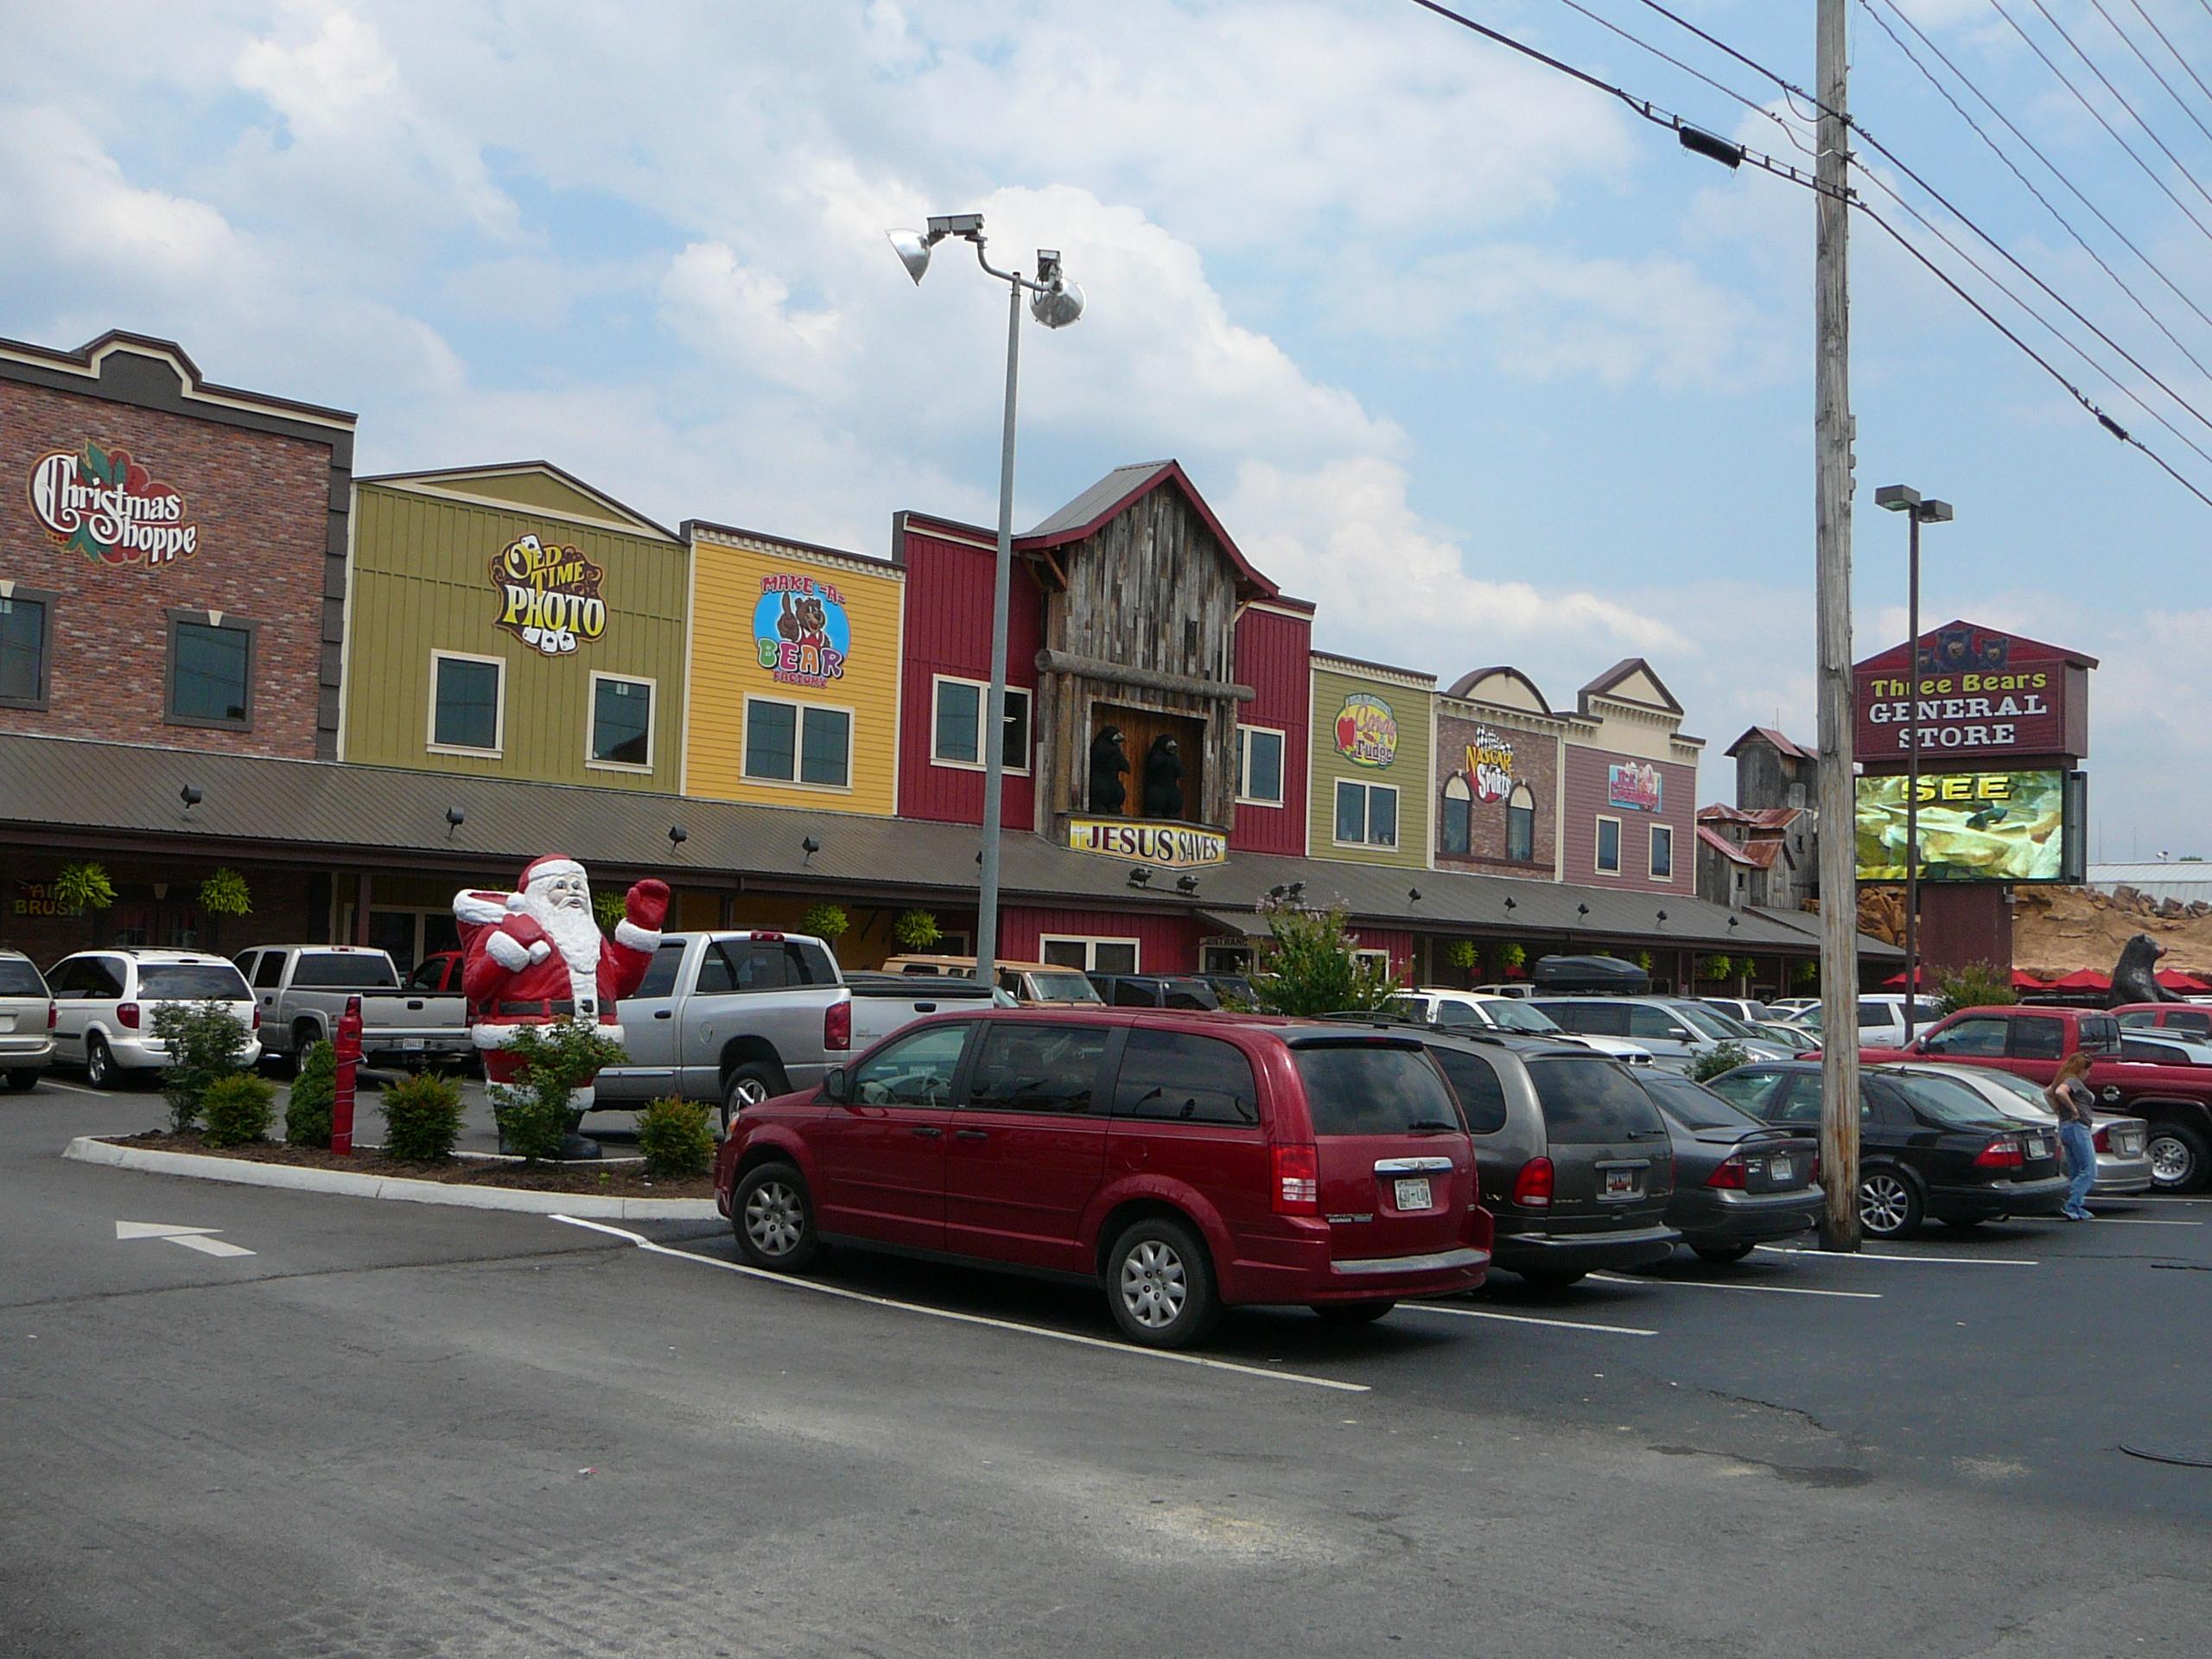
{"x": 102, "y": 503}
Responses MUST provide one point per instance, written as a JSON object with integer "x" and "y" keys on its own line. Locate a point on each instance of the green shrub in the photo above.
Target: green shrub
{"x": 675, "y": 1138}
{"x": 1311, "y": 969}
{"x": 238, "y": 1108}
{"x": 558, "y": 1059}
{"x": 205, "y": 1041}
{"x": 421, "y": 1118}
{"x": 1976, "y": 985}
{"x": 306, "y": 1109}
{"x": 1724, "y": 1057}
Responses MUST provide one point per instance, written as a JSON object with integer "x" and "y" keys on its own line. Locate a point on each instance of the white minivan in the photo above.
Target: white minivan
{"x": 104, "y": 1000}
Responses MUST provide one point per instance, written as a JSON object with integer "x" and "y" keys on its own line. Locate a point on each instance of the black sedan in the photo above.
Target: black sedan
{"x": 1738, "y": 1182}
{"x": 1927, "y": 1146}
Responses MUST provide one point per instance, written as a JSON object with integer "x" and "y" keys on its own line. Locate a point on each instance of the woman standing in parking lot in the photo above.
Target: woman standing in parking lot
{"x": 2070, "y": 1098}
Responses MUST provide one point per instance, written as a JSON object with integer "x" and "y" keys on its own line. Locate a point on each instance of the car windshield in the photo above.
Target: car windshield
{"x": 1511, "y": 1015}
{"x": 19, "y": 978}
{"x": 1709, "y": 1022}
{"x": 1593, "y": 1100}
{"x": 1068, "y": 987}
{"x": 1692, "y": 1104}
{"x": 1950, "y": 1105}
{"x": 1374, "y": 1089}
{"x": 178, "y": 982}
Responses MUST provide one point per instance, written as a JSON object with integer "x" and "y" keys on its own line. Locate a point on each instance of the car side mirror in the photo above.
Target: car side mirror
{"x": 1675, "y": 1033}
{"x": 836, "y": 1086}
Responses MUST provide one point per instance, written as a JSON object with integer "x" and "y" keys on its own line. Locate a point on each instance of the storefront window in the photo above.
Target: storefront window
{"x": 1367, "y": 814}
{"x": 1091, "y": 955}
{"x": 1259, "y": 766}
{"x": 789, "y": 742}
{"x": 211, "y": 673}
{"x": 621, "y": 721}
{"x": 1663, "y": 853}
{"x": 1521, "y": 824}
{"x": 1609, "y": 846}
{"x": 24, "y": 651}
{"x": 957, "y": 738}
{"x": 466, "y": 702}
{"x": 1458, "y": 809}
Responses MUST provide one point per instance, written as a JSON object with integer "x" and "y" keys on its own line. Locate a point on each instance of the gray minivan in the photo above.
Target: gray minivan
{"x": 26, "y": 1017}
{"x": 1575, "y": 1164}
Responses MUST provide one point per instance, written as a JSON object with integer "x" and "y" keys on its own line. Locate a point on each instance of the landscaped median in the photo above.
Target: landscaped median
{"x": 602, "y": 1188}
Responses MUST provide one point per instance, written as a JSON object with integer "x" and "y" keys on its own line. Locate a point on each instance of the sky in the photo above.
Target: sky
{"x": 1470, "y": 355}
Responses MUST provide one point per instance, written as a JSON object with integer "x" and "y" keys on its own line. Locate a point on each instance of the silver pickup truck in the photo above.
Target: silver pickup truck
{"x": 733, "y": 1018}
{"x": 301, "y": 992}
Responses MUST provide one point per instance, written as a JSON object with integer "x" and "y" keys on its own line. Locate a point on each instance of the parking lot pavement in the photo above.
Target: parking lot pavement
{"x": 395, "y": 1429}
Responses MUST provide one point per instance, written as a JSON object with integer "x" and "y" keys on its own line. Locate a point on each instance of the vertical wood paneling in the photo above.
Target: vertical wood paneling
{"x": 948, "y": 632}
{"x": 1585, "y": 800}
{"x": 1167, "y": 943}
{"x": 1274, "y": 657}
{"x": 1410, "y": 772}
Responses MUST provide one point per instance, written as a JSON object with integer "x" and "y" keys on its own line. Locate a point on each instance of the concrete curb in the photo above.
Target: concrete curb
{"x": 91, "y": 1149}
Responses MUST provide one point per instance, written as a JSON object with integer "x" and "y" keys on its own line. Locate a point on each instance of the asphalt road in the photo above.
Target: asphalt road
{"x": 401, "y": 1430}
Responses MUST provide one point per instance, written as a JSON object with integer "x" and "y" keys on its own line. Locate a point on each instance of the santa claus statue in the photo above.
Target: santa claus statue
{"x": 536, "y": 956}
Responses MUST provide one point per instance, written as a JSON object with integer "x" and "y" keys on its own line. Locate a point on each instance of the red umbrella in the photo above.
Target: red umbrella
{"x": 2083, "y": 979}
{"x": 2023, "y": 980}
{"x": 2173, "y": 979}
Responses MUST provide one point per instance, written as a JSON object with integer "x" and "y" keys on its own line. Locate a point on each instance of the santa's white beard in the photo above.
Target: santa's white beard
{"x": 575, "y": 934}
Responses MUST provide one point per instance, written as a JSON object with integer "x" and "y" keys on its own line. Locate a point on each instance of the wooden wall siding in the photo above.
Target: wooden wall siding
{"x": 1167, "y": 941}
{"x": 1274, "y": 657}
{"x": 1152, "y": 591}
{"x": 1410, "y": 771}
{"x": 725, "y": 670}
{"x": 422, "y": 582}
{"x": 948, "y": 632}
{"x": 1585, "y": 801}
{"x": 1535, "y": 763}
{"x": 1398, "y": 943}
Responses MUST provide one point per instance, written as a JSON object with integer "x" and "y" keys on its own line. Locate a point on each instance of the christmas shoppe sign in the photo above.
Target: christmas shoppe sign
{"x": 549, "y": 595}
{"x": 103, "y": 503}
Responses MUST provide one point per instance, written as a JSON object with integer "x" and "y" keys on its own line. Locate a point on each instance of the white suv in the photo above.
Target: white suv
{"x": 105, "y": 1002}
{"x": 26, "y": 1012}
{"x": 1447, "y": 1009}
{"x": 1881, "y": 1019}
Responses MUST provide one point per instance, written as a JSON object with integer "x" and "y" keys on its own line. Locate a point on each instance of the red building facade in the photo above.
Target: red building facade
{"x": 1274, "y": 643}
{"x": 1628, "y": 805}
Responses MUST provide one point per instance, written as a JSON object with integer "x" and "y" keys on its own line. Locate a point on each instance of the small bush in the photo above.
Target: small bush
{"x": 237, "y": 1108}
{"x": 421, "y": 1118}
{"x": 675, "y": 1138}
{"x": 1311, "y": 969}
{"x": 1977, "y": 985}
{"x": 205, "y": 1041}
{"x": 534, "y": 1112}
{"x": 306, "y": 1109}
{"x": 1725, "y": 1057}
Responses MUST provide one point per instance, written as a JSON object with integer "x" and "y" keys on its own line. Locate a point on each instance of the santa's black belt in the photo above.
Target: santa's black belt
{"x": 537, "y": 1008}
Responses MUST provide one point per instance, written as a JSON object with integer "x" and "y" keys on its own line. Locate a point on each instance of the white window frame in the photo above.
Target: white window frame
{"x": 499, "y": 749}
{"x": 1650, "y": 864}
{"x": 982, "y": 716}
{"x": 799, "y": 745}
{"x": 1244, "y": 764}
{"x": 1620, "y": 845}
{"x": 1090, "y": 943}
{"x": 1375, "y": 956}
{"x": 653, "y": 722}
{"x": 1367, "y": 814}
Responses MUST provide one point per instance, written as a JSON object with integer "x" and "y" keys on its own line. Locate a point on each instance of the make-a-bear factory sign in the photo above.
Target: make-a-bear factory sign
{"x": 549, "y": 595}
{"x": 1174, "y": 847}
{"x": 800, "y": 630}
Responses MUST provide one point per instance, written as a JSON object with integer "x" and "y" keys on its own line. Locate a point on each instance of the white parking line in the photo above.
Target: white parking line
{"x": 1873, "y": 1256}
{"x": 72, "y": 1089}
{"x": 1529, "y": 1318}
{"x": 2143, "y": 1221}
{"x": 1769, "y": 1290}
{"x": 2152, "y": 1198}
{"x": 839, "y": 1291}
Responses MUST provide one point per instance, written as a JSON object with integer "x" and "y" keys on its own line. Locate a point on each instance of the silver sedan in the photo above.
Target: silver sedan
{"x": 2123, "y": 1143}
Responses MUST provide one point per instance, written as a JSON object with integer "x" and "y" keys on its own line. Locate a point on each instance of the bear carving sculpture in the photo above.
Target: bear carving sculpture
{"x": 2135, "y": 979}
{"x": 1163, "y": 779}
{"x": 1109, "y": 763}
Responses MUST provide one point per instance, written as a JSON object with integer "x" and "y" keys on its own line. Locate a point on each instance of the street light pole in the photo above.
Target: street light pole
{"x": 1899, "y": 498}
{"x": 1055, "y": 303}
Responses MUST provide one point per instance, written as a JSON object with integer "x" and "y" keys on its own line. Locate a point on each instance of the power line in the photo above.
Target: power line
{"x": 2171, "y": 47}
{"x": 1752, "y": 104}
{"x": 2179, "y": 166}
{"x": 2081, "y": 98}
{"x": 2157, "y": 75}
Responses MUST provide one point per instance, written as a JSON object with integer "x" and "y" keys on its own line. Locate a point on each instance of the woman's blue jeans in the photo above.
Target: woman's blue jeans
{"x": 2080, "y": 1163}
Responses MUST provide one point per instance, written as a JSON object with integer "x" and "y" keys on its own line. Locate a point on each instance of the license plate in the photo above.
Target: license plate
{"x": 2129, "y": 1146}
{"x": 2039, "y": 1148}
{"x": 1620, "y": 1183}
{"x": 1781, "y": 1169}
{"x": 414, "y": 1043}
{"x": 1414, "y": 1194}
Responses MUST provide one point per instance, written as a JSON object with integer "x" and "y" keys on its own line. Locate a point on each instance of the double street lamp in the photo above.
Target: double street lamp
{"x": 1055, "y": 302}
{"x": 1899, "y": 498}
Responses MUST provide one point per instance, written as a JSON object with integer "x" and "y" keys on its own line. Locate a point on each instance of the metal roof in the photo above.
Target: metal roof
{"x": 2187, "y": 880}
{"x": 1107, "y": 493}
{"x": 92, "y": 794}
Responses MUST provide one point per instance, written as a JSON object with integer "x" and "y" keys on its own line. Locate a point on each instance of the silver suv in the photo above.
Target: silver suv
{"x": 1677, "y": 1030}
{"x": 26, "y": 1011}
{"x": 105, "y": 1002}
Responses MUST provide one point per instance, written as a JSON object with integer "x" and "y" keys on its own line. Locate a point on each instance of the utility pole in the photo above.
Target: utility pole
{"x": 1831, "y": 450}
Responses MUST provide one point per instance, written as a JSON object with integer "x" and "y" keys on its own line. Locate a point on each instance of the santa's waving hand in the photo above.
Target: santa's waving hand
{"x": 544, "y": 958}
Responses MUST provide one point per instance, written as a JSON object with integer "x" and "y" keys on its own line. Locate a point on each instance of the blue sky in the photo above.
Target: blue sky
{"x": 1491, "y": 369}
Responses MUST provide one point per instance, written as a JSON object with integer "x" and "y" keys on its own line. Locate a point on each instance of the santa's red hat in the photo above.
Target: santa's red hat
{"x": 552, "y": 864}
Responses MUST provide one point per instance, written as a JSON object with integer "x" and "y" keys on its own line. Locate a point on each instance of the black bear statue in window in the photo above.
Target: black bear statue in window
{"x": 1163, "y": 779}
{"x": 1110, "y": 764}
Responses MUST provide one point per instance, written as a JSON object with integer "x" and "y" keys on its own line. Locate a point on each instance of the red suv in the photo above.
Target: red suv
{"x": 1184, "y": 1161}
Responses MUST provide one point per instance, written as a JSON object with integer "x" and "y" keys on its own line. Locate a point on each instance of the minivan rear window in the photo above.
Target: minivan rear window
{"x": 19, "y": 978}
{"x": 1373, "y": 1089}
{"x": 177, "y": 982}
{"x": 1589, "y": 1101}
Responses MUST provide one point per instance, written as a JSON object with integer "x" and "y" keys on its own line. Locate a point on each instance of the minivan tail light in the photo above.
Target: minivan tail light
{"x": 1532, "y": 1187}
{"x": 2002, "y": 1153}
{"x": 126, "y": 1015}
{"x": 1731, "y": 1173}
{"x": 837, "y": 1026}
{"x": 1297, "y": 1182}
{"x": 53, "y": 1015}
{"x": 257, "y": 1016}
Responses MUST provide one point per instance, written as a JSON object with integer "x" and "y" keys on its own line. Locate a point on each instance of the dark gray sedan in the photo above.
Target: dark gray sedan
{"x": 1738, "y": 1182}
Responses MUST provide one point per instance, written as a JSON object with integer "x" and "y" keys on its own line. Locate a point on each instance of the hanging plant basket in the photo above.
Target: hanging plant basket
{"x": 825, "y": 921}
{"x": 915, "y": 929}
{"x": 1462, "y": 955}
{"x": 82, "y": 886}
{"x": 225, "y": 893}
{"x": 608, "y": 909}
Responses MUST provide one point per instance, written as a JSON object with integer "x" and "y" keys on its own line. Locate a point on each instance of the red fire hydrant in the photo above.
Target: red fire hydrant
{"x": 347, "y": 1047}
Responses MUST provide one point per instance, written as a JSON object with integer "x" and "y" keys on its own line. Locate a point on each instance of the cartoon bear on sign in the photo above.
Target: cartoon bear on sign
{"x": 1109, "y": 763}
{"x": 813, "y": 621}
{"x": 2135, "y": 979}
{"x": 1163, "y": 779}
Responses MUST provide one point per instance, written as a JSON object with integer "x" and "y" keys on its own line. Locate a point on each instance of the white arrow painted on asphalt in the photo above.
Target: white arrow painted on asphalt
{"x": 192, "y": 1238}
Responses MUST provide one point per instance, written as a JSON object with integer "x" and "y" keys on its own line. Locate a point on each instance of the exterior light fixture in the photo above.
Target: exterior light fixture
{"x": 1511, "y": 903}
{"x": 1662, "y": 918}
{"x": 1734, "y": 921}
{"x": 1186, "y": 884}
{"x": 809, "y": 847}
{"x": 1582, "y": 909}
{"x": 1140, "y": 877}
{"x": 1902, "y": 497}
{"x": 1412, "y": 895}
{"x": 1277, "y": 891}
{"x": 454, "y": 818}
{"x": 1297, "y": 890}
{"x": 678, "y": 834}
{"x": 190, "y": 795}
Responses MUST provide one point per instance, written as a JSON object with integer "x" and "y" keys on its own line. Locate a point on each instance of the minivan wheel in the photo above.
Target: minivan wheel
{"x": 1352, "y": 1313}
{"x": 1160, "y": 1284}
{"x": 1889, "y": 1205}
{"x": 2176, "y": 1157}
{"x": 99, "y": 1065}
{"x": 1721, "y": 1254}
{"x": 774, "y": 1219}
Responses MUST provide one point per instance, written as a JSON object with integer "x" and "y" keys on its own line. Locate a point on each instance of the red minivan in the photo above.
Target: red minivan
{"x": 1182, "y": 1161}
